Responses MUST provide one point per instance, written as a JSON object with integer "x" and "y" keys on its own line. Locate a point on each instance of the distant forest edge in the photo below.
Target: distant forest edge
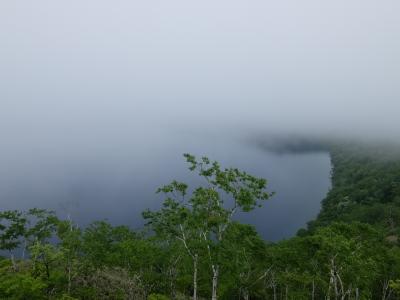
{"x": 365, "y": 187}
{"x": 193, "y": 249}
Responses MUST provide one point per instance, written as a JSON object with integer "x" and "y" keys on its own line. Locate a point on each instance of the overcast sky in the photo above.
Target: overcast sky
{"x": 96, "y": 68}
{"x": 98, "y": 99}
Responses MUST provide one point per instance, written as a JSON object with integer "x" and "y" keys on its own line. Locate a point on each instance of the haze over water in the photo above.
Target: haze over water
{"x": 119, "y": 190}
{"x": 99, "y": 100}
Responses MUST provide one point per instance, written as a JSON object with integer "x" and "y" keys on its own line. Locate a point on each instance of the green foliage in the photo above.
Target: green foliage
{"x": 200, "y": 220}
{"x": 12, "y": 228}
{"x": 19, "y": 285}
{"x": 366, "y": 187}
{"x": 350, "y": 251}
{"x": 157, "y": 297}
{"x": 395, "y": 285}
{"x": 41, "y": 224}
{"x": 44, "y": 258}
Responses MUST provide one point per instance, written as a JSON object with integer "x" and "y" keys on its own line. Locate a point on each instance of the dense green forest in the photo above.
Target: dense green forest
{"x": 192, "y": 247}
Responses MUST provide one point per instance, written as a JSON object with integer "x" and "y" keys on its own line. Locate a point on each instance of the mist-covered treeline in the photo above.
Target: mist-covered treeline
{"x": 192, "y": 248}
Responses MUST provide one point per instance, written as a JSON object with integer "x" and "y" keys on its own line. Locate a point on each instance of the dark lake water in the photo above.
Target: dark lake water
{"x": 119, "y": 184}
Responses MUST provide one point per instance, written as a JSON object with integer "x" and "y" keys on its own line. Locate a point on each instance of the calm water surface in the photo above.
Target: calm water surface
{"x": 119, "y": 185}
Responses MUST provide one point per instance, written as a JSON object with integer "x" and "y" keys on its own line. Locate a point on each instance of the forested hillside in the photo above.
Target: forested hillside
{"x": 366, "y": 186}
{"x": 192, "y": 248}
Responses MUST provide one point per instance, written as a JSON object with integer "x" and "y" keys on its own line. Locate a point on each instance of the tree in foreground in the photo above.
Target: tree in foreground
{"x": 200, "y": 218}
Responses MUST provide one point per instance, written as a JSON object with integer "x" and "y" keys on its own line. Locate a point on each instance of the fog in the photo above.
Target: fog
{"x": 95, "y": 92}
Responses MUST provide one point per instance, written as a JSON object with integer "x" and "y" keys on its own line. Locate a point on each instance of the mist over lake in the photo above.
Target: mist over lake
{"x": 104, "y": 103}
{"x": 118, "y": 187}
{"x": 99, "y": 101}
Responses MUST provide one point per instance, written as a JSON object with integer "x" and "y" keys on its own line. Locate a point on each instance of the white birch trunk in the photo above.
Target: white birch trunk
{"x": 215, "y": 282}
{"x": 195, "y": 259}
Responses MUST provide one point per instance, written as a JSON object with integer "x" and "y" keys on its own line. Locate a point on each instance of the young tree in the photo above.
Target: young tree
{"x": 70, "y": 237}
{"x": 175, "y": 221}
{"x": 41, "y": 225}
{"x": 243, "y": 257}
{"x": 201, "y": 220}
{"x": 12, "y": 229}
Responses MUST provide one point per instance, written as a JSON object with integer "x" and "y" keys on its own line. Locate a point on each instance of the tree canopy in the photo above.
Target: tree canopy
{"x": 193, "y": 247}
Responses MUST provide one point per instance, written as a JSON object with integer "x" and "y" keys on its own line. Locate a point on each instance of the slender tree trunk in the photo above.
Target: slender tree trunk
{"x": 328, "y": 294}
{"x": 69, "y": 279}
{"x": 172, "y": 271}
{"x": 23, "y": 250}
{"x": 47, "y": 269}
{"x": 172, "y": 284}
{"x": 195, "y": 260}
{"x": 286, "y": 291}
{"x": 336, "y": 288}
{"x": 246, "y": 295}
{"x": 215, "y": 282}
{"x": 385, "y": 289}
{"x": 13, "y": 261}
{"x": 313, "y": 290}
